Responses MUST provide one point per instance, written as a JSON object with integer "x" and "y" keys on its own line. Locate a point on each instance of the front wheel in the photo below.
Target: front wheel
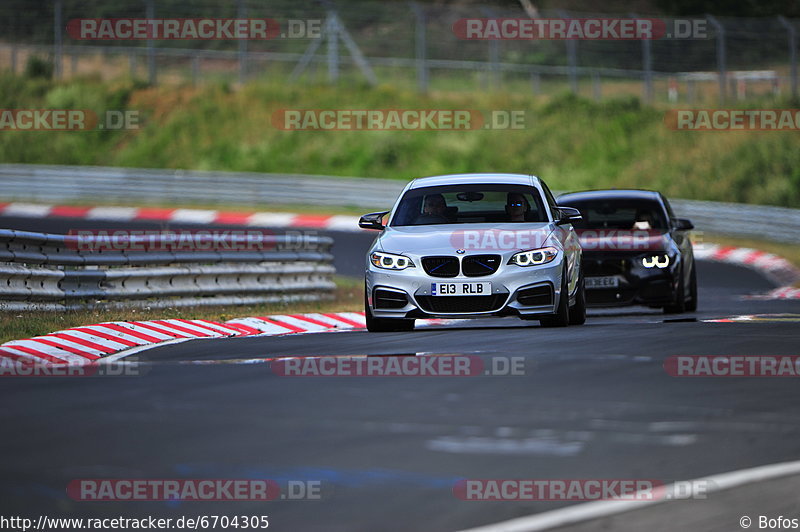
{"x": 385, "y": 324}
{"x": 680, "y": 298}
{"x": 561, "y": 317}
{"x": 691, "y": 305}
{"x": 577, "y": 312}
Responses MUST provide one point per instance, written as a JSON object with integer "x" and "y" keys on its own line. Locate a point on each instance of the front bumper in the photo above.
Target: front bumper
{"x": 516, "y": 291}
{"x": 637, "y": 285}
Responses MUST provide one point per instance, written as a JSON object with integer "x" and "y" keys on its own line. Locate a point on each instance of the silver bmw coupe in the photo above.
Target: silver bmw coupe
{"x": 470, "y": 246}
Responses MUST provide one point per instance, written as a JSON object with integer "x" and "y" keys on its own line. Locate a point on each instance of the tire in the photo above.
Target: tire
{"x": 561, "y": 317}
{"x": 691, "y": 305}
{"x": 385, "y": 324}
{"x": 577, "y": 312}
{"x": 679, "y": 307}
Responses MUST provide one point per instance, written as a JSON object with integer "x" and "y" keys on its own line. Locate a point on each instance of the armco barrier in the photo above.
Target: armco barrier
{"x": 48, "y": 271}
{"x": 65, "y": 184}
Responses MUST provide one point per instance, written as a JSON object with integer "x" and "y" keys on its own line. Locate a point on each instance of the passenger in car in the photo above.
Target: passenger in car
{"x": 434, "y": 210}
{"x": 517, "y": 207}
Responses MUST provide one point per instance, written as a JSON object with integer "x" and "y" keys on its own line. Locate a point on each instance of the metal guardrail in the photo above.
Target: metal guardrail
{"x": 81, "y": 183}
{"x": 762, "y": 222}
{"x": 66, "y": 184}
{"x": 47, "y": 271}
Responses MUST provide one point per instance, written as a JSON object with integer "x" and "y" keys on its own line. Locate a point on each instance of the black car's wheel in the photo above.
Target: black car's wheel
{"x": 561, "y": 317}
{"x": 680, "y": 297}
{"x": 385, "y": 324}
{"x": 577, "y": 312}
{"x": 691, "y": 305}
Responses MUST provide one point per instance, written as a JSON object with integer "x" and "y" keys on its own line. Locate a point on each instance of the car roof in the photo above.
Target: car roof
{"x": 607, "y": 194}
{"x": 476, "y": 179}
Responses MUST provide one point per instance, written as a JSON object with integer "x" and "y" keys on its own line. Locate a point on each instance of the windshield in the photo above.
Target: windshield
{"x": 463, "y": 204}
{"x": 621, "y": 214}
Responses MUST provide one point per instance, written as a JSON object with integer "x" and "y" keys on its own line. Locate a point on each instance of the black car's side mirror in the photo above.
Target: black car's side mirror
{"x": 682, "y": 224}
{"x": 373, "y": 220}
{"x": 568, "y": 215}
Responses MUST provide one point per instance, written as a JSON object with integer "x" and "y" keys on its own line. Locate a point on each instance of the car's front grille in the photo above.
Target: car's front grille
{"x": 461, "y": 304}
{"x": 388, "y": 299}
{"x": 601, "y": 267}
{"x": 536, "y": 296}
{"x": 440, "y": 266}
{"x": 479, "y": 265}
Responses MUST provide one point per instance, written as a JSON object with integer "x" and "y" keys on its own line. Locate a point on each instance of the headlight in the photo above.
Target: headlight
{"x": 390, "y": 261}
{"x": 534, "y": 257}
{"x": 656, "y": 261}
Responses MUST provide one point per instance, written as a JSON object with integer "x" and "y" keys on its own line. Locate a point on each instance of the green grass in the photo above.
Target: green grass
{"x": 573, "y": 143}
{"x": 349, "y": 297}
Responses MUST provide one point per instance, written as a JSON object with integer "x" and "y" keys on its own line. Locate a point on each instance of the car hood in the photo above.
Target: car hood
{"x": 472, "y": 238}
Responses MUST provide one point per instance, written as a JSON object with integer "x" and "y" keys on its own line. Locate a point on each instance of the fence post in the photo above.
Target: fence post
{"x": 333, "y": 47}
{"x": 241, "y": 13}
{"x": 597, "y": 91}
{"x": 536, "y": 83}
{"x": 150, "y": 14}
{"x": 494, "y": 53}
{"x": 721, "y": 67}
{"x": 572, "y": 57}
{"x": 792, "y": 53}
{"x": 57, "y": 39}
{"x": 420, "y": 46}
{"x": 195, "y": 69}
{"x": 647, "y": 66}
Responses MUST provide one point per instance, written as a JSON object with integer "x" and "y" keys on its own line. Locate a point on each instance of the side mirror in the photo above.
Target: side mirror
{"x": 373, "y": 220}
{"x": 682, "y": 224}
{"x": 568, "y": 215}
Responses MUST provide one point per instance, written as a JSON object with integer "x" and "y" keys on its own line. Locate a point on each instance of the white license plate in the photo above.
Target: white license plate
{"x": 461, "y": 289}
{"x": 602, "y": 282}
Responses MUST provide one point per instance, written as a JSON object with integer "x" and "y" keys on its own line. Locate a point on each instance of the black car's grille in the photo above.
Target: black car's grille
{"x": 536, "y": 296}
{"x": 461, "y": 304}
{"x": 388, "y": 299}
{"x": 440, "y": 266}
{"x": 479, "y": 265}
{"x": 609, "y": 266}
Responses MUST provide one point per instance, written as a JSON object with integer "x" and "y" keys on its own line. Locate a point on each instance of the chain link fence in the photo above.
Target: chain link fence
{"x": 410, "y": 44}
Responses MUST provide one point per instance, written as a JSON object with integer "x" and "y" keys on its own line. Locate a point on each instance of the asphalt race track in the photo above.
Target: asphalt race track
{"x": 594, "y": 402}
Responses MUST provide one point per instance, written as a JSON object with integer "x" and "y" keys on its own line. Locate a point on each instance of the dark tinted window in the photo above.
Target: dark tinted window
{"x": 459, "y": 204}
{"x": 624, "y": 214}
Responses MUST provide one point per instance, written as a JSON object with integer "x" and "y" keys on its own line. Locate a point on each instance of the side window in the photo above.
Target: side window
{"x": 551, "y": 201}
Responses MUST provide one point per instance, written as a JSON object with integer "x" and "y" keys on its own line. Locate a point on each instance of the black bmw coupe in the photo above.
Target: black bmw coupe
{"x": 635, "y": 251}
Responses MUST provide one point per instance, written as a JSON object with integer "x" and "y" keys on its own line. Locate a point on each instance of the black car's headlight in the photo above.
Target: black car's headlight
{"x": 390, "y": 261}
{"x": 661, "y": 261}
{"x": 534, "y": 257}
